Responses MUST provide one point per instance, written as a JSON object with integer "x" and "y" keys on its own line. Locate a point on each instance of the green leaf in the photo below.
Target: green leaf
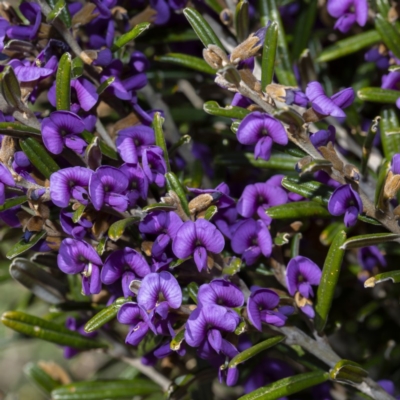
{"x": 77, "y": 67}
{"x": 213, "y": 108}
{"x": 300, "y": 209}
{"x": 103, "y": 86}
{"x": 196, "y": 63}
{"x": 193, "y": 289}
{"x": 65, "y": 16}
{"x": 383, "y": 7}
{"x": 22, "y": 246}
{"x": 269, "y": 55}
{"x": 17, "y": 130}
{"x": 12, "y": 202}
{"x": 378, "y": 95}
{"x": 287, "y": 386}
{"x": 56, "y": 11}
{"x": 116, "y": 230}
{"x": 254, "y": 350}
{"x": 328, "y": 234}
{"x": 202, "y": 28}
{"x": 389, "y": 34}
{"x": 393, "y": 276}
{"x": 210, "y": 212}
{"x": 131, "y": 35}
{"x": 39, "y": 157}
{"x": 390, "y": 142}
{"x": 105, "y": 148}
{"x": 279, "y": 161}
{"x": 100, "y": 390}
{"x": 158, "y": 121}
{"x": 38, "y": 281}
{"x": 149, "y": 343}
{"x": 10, "y": 87}
{"x": 63, "y": 82}
{"x": 242, "y": 20}
{"x": 159, "y": 207}
{"x": 77, "y": 215}
{"x": 348, "y": 371}
{"x": 295, "y": 244}
{"x": 233, "y": 266}
{"x": 40, "y": 328}
{"x": 105, "y": 315}
{"x": 174, "y": 184}
{"x": 369, "y": 240}
{"x": 330, "y": 276}
{"x": 349, "y": 45}
{"x": 185, "y": 139}
{"x": 380, "y": 201}
{"x": 40, "y": 378}
{"x": 176, "y": 342}
{"x": 101, "y": 246}
{"x": 284, "y": 70}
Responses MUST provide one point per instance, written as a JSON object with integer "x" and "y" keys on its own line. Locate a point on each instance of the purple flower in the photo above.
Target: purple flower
{"x": 325, "y": 105}
{"x": 62, "y": 128}
{"x": 301, "y": 273}
{"x": 108, "y": 186}
{"x": 27, "y": 72}
{"x": 323, "y": 137}
{"x": 165, "y": 225}
{"x": 70, "y": 183}
{"x": 251, "y": 239}
{"x": 342, "y": 9}
{"x": 345, "y": 200}
{"x": 76, "y": 326}
{"x": 134, "y": 315}
{"x": 196, "y": 238}
{"x": 224, "y": 219}
{"x": 221, "y": 193}
{"x": 260, "y": 308}
{"x": 76, "y": 257}
{"x": 296, "y": 96}
{"x": 258, "y": 198}
{"x": 262, "y": 130}
{"x": 220, "y": 292}
{"x": 77, "y": 230}
{"x": 206, "y": 323}
{"x": 159, "y": 291}
{"x": 138, "y": 183}
{"x": 127, "y": 264}
{"x": 369, "y": 257}
{"x": 131, "y": 141}
{"x": 4, "y": 24}
{"x": 33, "y": 13}
{"x": 375, "y": 56}
{"x": 154, "y": 165}
{"x": 395, "y": 167}
{"x": 6, "y": 179}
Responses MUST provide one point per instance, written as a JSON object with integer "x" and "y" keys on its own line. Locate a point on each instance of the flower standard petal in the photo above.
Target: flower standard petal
{"x": 344, "y": 98}
{"x": 259, "y": 301}
{"x": 251, "y": 128}
{"x": 210, "y": 237}
{"x": 85, "y": 92}
{"x": 361, "y": 11}
{"x": 113, "y": 267}
{"x": 196, "y": 328}
{"x": 185, "y": 240}
{"x": 244, "y": 236}
{"x": 337, "y": 8}
{"x": 309, "y": 270}
{"x": 247, "y": 204}
{"x": 339, "y": 199}
{"x": 264, "y": 239}
{"x": 51, "y": 136}
{"x": 221, "y": 292}
{"x": 321, "y": 102}
{"x": 149, "y": 291}
{"x": 68, "y": 122}
{"x": 275, "y": 130}
{"x": 170, "y": 289}
{"x": 292, "y": 273}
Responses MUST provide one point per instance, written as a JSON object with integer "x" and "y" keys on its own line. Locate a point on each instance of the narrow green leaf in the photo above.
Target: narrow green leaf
{"x": 131, "y": 35}
{"x": 202, "y": 27}
{"x": 10, "y": 87}
{"x": 101, "y": 246}
{"x": 12, "y": 202}
{"x": 393, "y": 276}
{"x": 39, "y": 157}
{"x": 215, "y": 5}
{"x": 348, "y": 371}
{"x": 233, "y": 266}
{"x": 103, "y": 86}
{"x": 149, "y": 343}
{"x": 287, "y": 386}
{"x": 65, "y": 16}
{"x": 213, "y": 108}
{"x": 77, "y": 215}
{"x": 77, "y": 67}
{"x": 158, "y": 121}
{"x": 105, "y": 315}
{"x": 22, "y": 246}
{"x": 116, "y": 230}
{"x": 159, "y": 207}
{"x": 383, "y": 7}
{"x": 242, "y": 20}
{"x": 38, "y": 281}
{"x": 369, "y": 220}
{"x": 279, "y": 161}
{"x": 390, "y": 142}
{"x": 40, "y": 328}
{"x": 330, "y": 276}
{"x": 210, "y": 212}
{"x": 328, "y": 234}
{"x": 15, "y": 129}
{"x": 174, "y": 184}
{"x": 105, "y": 148}
{"x": 295, "y": 245}
{"x": 389, "y": 34}
{"x": 300, "y": 209}
{"x": 367, "y": 146}
{"x": 369, "y": 240}
{"x": 284, "y": 71}
{"x": 40, "y": 378}
{"x": 281, "y": 238}
{"x": 100, "y": 390}
{"x": 56, "y": 11}
{"x": 378, "y": 95}
{"x": 349, "y": 45}
{"x": 380, "y": 201}
{"x": 185, "y": 139}
{"x": 254, "y": 350}
{"x": 193, "y": 289}
{"x": 269, "y": 55}
{"x": 196, "y": 63}
{"x": 63, "y": 82}
{"x": 176, "y": 342}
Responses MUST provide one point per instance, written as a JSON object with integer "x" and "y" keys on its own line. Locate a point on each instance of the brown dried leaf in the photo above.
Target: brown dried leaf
{"x": 84, "y": 15}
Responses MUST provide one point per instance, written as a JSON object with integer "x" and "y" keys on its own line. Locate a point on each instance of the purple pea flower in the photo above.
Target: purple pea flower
{"x": 159, "y": 291}
{"x": 127, "y": 264}
{"x": 107, "y": 186}
{"x": 251, "y": 239}
{"x": 258, "y": 198}
{"x": 165, "y": 225}
{"x": 323, "y": 137}
{"x": 6, "y": 179}
{"x": 134, "y": 315}
{"x": 76, "y": 257}
{"x": 224, "y": 219}
{"x": 4, "y": 25}
{"x": 70, "y": 183}
{"x": 76, "y": 326}
{"x": 220, "y": 194}
{"x": 375, "y": 56}
{"x": 260, "y": 308}
{"x": 33, "y": 13}
{"x": 138, "y": 183}
{"x": 369, "y": 257}
{"x": 131, "y": 141}
{"x": 153, "y": 164}
{"x": 197, "y": 238}
{"x": 206, "y": 323}
{"x": 276, "y": 180}
{"x": 325, "y": 105}
{"x": 395, "y": 167}
{"x": 29, "y": 72}
{"x": 262, "y": 130}
{"x": 62, "y": 128}
{"x": 76, "y": 230}
{"x": 220, "y": 292}
{"x": 345, "y": 200}
{"x": 341, "y": 9}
